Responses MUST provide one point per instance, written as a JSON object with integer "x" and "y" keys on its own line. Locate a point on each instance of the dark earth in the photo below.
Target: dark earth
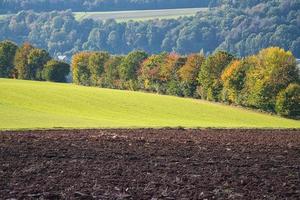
{"x": 150, "y": 164}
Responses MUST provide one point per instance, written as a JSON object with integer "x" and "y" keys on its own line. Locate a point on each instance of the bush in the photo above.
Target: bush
{"x": 288, "y": 101}
{"x": 56, "y": 71}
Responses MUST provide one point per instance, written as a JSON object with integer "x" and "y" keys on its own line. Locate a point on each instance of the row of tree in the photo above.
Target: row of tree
{"x": 268, "y": 80}
{"x": 241, "y": 27}
{"x": 30, "y": 63}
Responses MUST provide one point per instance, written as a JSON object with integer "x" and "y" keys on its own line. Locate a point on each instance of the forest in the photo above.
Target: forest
{"x": 268, "y": 81}
{"x": 13, "y": 6}
{"x": 239, "y": 27}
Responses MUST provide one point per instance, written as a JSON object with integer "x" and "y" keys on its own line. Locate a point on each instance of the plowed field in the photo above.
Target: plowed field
{"x": 150, "y": 164}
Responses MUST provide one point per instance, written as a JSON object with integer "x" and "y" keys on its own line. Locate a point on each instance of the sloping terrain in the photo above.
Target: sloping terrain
{"x": 32, "y": 105}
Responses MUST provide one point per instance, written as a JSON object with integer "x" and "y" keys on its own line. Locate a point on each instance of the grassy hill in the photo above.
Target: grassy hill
{"x": 29, "y": 104}
{"x": 139, "y": 15}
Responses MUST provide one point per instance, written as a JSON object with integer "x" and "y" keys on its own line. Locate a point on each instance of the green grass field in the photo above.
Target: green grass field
{"x": 33, "y": 105}
{"x": 139, "y": 15}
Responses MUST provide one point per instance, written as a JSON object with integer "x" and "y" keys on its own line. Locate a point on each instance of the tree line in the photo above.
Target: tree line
{"x": 240, "y": 27}
{"x": 268, "y": 81}
{"x": 30, "y": 63}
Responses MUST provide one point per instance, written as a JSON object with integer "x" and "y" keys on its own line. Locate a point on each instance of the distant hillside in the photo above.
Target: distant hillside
{"x": 13, "y": 6}
{"x": 28, "y": 104}
{"x": 241, "y": 29}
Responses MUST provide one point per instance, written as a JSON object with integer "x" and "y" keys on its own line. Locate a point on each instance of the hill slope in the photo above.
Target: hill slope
{"x": 28, "y": 104}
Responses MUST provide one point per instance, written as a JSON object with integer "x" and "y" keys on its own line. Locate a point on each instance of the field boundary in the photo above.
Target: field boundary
{"x": 143, "y": 129}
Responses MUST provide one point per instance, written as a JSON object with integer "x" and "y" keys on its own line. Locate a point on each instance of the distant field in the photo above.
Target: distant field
{"x": 3, "y": 16}
{"x": 135, "y": 15}
{"x": 31, "y": 105}
{"x": 139, "y": 15}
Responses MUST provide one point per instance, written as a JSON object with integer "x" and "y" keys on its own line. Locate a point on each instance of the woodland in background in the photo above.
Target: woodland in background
{"x": 13, "y": 6}
{"x": 240, "y": 27}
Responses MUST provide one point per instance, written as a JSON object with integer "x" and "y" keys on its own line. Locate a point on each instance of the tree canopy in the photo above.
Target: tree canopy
{"x": 239, "y": 27}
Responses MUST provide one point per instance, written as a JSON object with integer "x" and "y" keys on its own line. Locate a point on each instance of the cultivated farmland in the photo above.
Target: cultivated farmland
{"x": 150, "y": 164}
{"x": 139, "y": 15}
{"x": 33, "y": 104}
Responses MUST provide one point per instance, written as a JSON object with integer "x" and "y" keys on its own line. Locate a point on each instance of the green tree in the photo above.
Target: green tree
{"x": 7, "y": 53}
{"x": 210, "y": 75}
{"x": 288, "y": 101}
{"x": 130, "y": 65}
{"x": 37, "y": 58}
{"x": 97, "y": 61}
{"x": 56, "y": 71}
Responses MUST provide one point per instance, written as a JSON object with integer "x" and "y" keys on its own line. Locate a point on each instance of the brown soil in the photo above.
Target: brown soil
{"x": 150, "y": 164}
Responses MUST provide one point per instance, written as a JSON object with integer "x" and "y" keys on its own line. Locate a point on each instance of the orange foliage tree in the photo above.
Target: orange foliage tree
{"x": 188, "y": 73}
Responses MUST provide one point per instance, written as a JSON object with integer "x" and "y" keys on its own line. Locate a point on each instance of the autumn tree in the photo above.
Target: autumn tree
{"x": 111, "y": 73}
{"x": 80, "y": 68}
{"x": 7, "y": 53}
{"x": 273, "y": 71}
{"x": 189, "y": 72}
{"x": 149, "y": 74}
{"x": 23, "y": 68}
{"x": 169, "y": 66}
{"x": 169, "y": 79}
{"x": 210, "y": 75}
{"x": 233, "y": 78}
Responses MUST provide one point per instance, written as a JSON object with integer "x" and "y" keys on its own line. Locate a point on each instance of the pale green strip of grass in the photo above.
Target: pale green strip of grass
{"x": 139, "y": 15}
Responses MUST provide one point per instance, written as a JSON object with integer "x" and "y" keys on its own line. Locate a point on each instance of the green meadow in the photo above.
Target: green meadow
{"x": 39, "y": 105}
